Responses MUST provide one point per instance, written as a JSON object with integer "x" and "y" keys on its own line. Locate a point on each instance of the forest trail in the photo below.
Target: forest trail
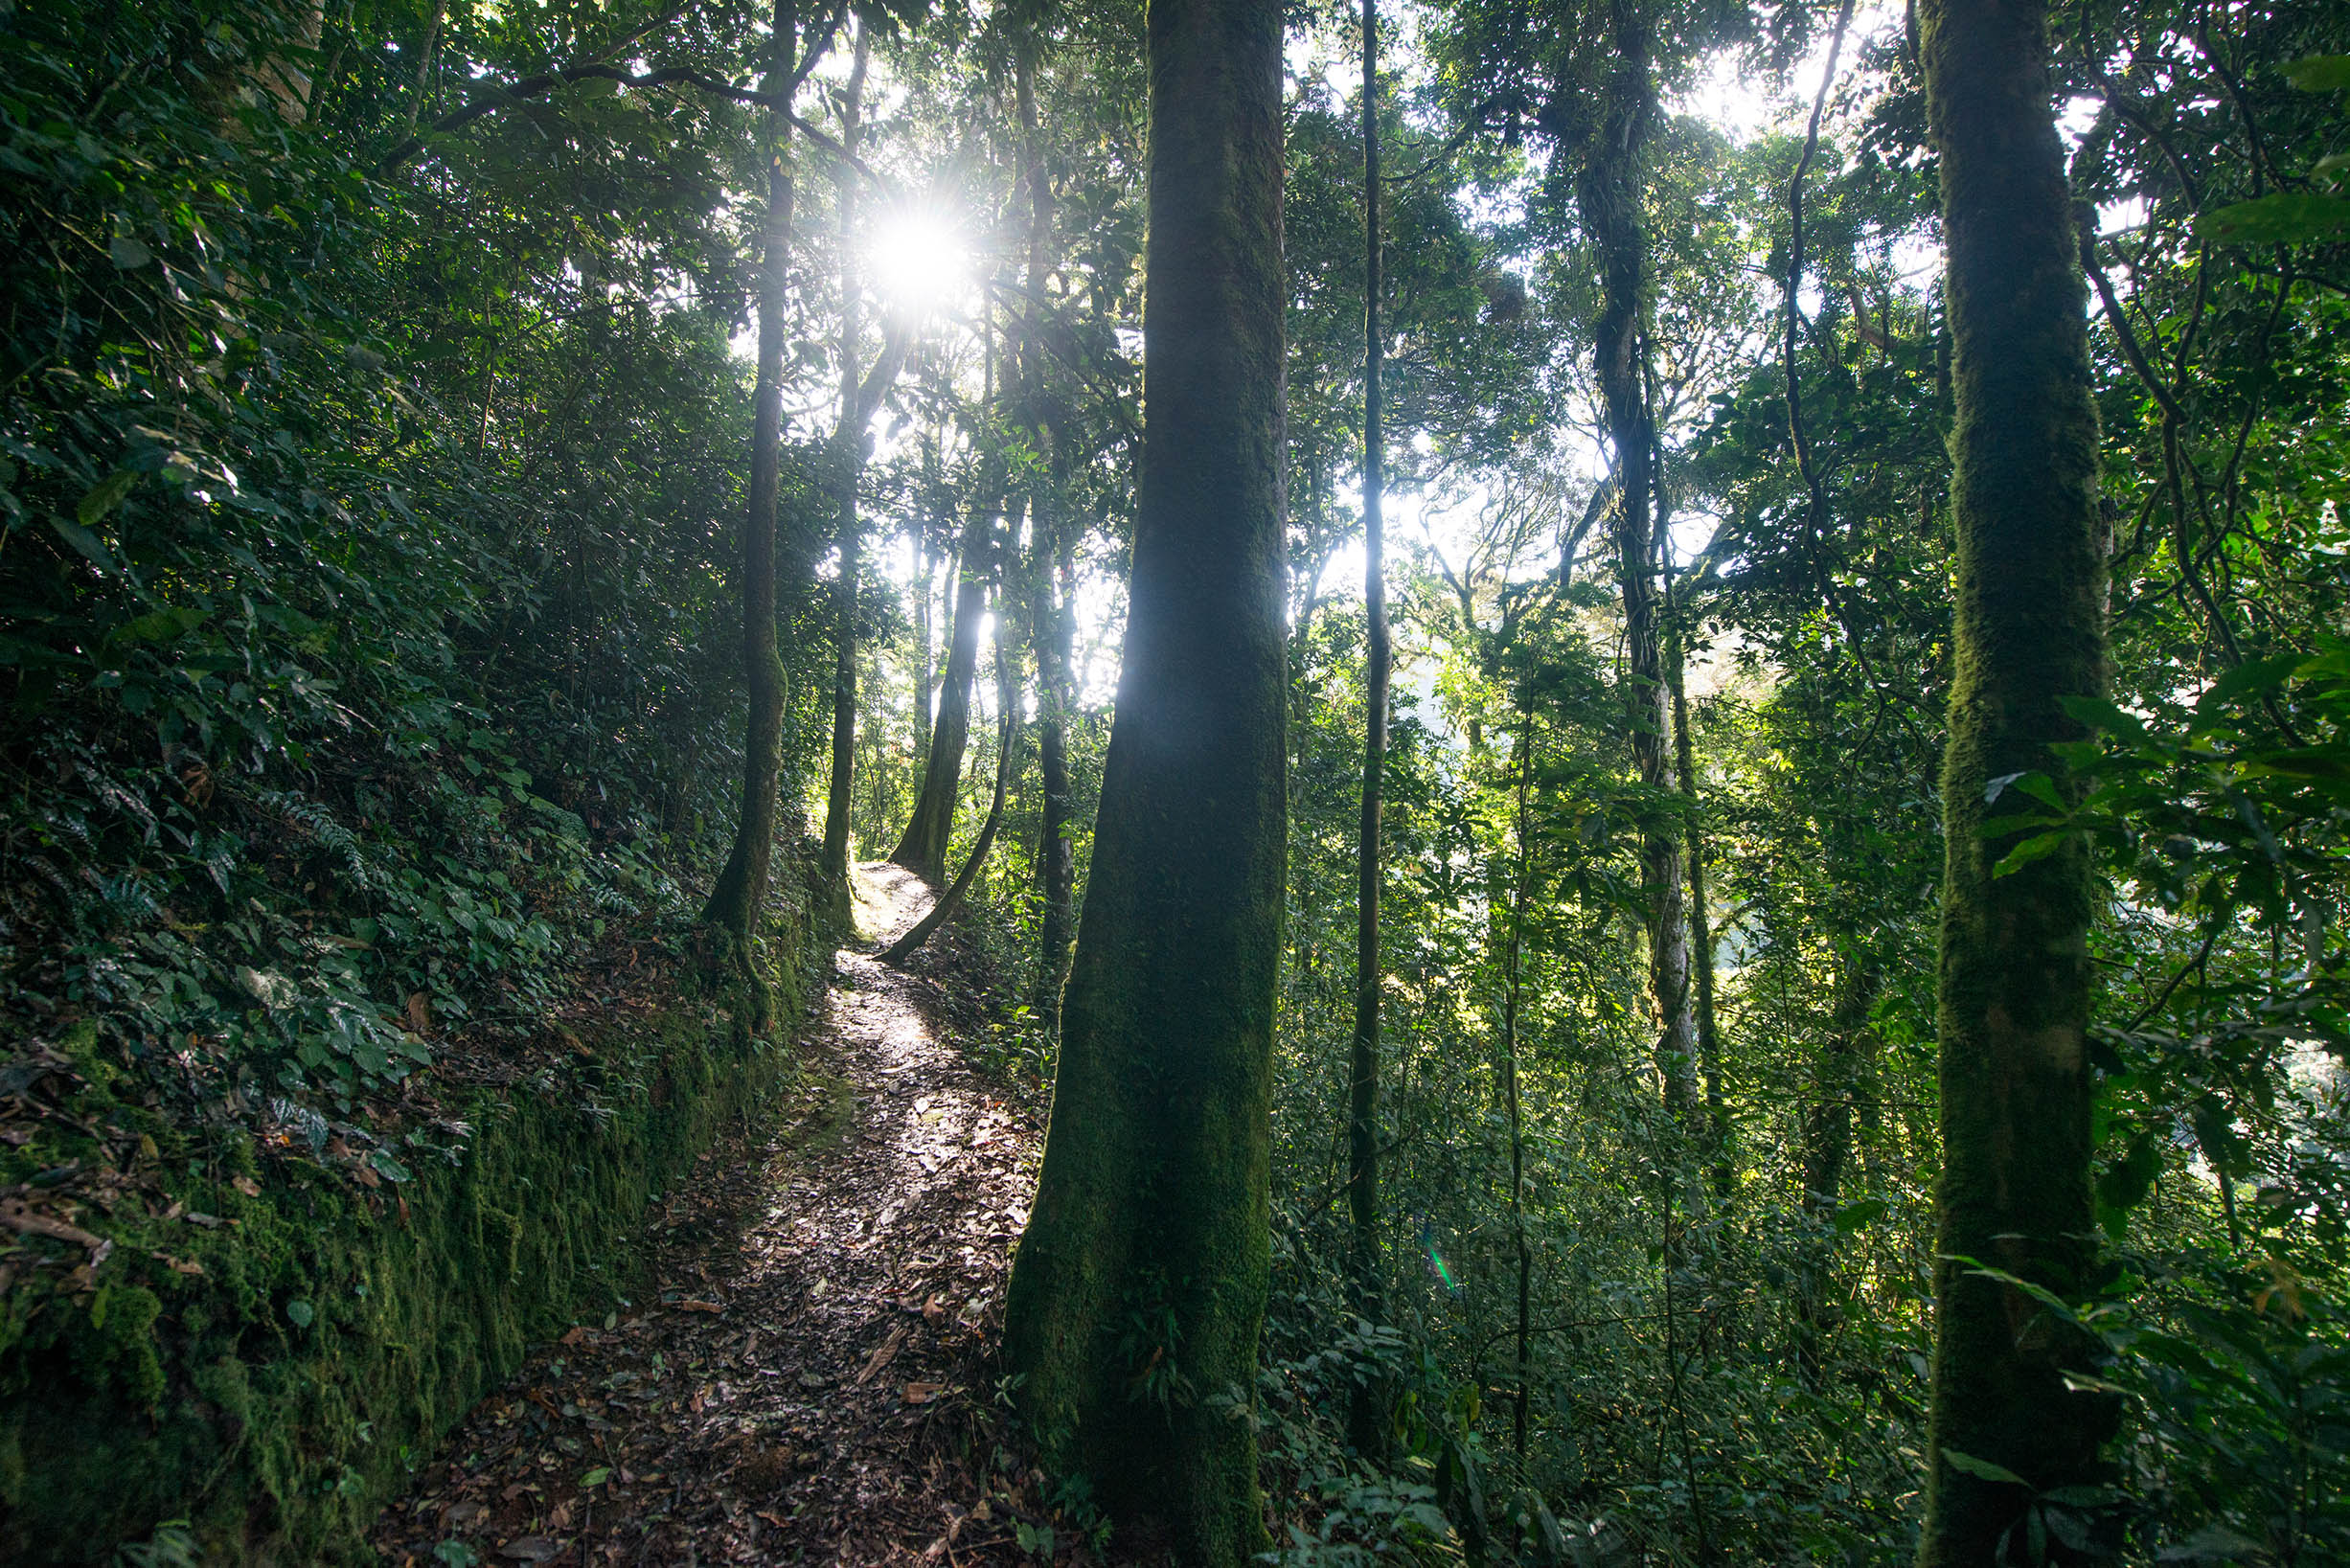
{"x": 806, "y": 1382}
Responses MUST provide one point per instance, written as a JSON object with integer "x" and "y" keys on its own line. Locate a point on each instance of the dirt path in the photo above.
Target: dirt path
{"x": 801, "y": 1387}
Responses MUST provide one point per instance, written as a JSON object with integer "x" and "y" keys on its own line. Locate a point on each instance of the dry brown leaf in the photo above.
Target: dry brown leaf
{"x": 882, "y": 1357}
{"x": 700, "y": 1306}
{"x": 922, "y": 1392}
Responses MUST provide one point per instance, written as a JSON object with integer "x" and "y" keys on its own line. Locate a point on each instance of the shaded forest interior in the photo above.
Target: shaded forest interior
{"x": 1628, "y": 719}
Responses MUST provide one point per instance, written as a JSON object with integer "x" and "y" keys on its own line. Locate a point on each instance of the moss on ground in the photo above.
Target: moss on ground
{"x": 270, "y": 1357}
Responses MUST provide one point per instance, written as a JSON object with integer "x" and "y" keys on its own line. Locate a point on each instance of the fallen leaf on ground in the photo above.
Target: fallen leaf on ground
{"x": 530, "y": 1549}
{"x": 920, "y": 1392}
{"x": 882, "y": 1357}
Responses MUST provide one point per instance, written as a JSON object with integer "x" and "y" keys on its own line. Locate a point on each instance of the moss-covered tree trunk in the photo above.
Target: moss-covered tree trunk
{"x": 1705, "y": 1029}
{"x": 741, "y": 886}
{"x": 1607, "y": 193}
{"x": 2027, "y": 634}
{"x": 1139, "y": 1287}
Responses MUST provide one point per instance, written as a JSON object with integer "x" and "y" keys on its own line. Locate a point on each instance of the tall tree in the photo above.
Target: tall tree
{"x": 861, "y": 396}
{"x": 1363, "y": 1063}
{"x": 1610, "y": 190}
{"x": 921, "y": 849}
{"x": 741, "y": 886}
{"x": 2029, "y": 636}
{"x": 1138, "y": 1289}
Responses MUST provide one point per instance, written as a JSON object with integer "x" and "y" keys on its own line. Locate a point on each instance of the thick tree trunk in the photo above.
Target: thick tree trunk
{"x": 848, "y": 469}
{"x": 741, "y": 886}
{"x": 2027, "y": 634}
{"x": 923, "y": 848}
{"x": 1367, "y": 1414}
{"x": 1607, "y": 191}
{"x": 1138, "y": 1291}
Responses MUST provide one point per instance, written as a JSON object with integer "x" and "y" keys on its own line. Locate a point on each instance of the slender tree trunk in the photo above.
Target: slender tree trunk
{"x": 1826, "y": 1148}
{"x": 741, "y": 886}
{"x": 1051, "y": 557}
{"x": 1510, "y": 997}
{"x": 1608, "y": 192}
{"x": 1007, "y": 768}
{"x": 1367, "y": 1414}
{"x": 849, "y": 468}
{"x": 2027, "y": 634}
{"x": 923, "y": 848}
{"x": 1152, "y": 1206}
{"x": 1701, "y": 926}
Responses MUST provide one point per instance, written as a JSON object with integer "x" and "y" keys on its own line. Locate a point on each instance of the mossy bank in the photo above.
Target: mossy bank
{"x": 252, "y": 1340}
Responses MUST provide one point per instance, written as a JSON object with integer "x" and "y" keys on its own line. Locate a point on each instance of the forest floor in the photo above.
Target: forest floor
{"x": 809, "y": 1381}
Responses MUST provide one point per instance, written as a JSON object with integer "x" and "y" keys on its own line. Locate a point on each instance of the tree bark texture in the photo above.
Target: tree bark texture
{"x": 2028, "y": 632}
{"x": 741, "y": 886}
{"x": 1607, "y": 193}
{"x": 1138, "y": 1290}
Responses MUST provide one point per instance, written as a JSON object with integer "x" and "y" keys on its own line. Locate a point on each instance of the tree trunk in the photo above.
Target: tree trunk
{"x": 849, "y": 468}
{"x": 1007, "y": 768}
{"x": 1367, "y": 1415}
{"x": 1608, "y": 192}
{"x": 1700, "y": 929}
{"x": 923, "y": 848}
{"x": 742, "y": 887}
{"x": 2027, "y": 634}
{"x": 1139, "y": 1288}
{"x": 1826, "y": 1148}
{"x": 1051, "y": 557}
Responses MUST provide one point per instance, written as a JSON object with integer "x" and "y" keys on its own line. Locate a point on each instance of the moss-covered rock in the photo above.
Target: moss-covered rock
{"x": 269, "y": 1359}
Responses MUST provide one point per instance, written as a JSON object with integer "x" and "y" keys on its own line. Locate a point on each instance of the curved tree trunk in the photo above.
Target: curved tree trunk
{"x": 2027, "y": 634}
{"x": 741, "y": 886}
{"x": 1152, "y": 1207}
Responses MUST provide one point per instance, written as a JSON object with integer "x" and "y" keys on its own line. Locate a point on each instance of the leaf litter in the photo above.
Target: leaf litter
{"x": 741, "y": 1414}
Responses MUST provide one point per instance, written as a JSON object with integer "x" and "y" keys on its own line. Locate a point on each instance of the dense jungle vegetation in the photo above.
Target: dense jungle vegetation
{"x": 1642, "y": 706}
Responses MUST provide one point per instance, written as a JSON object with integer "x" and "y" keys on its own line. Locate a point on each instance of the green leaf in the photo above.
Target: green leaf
{"x": 86, "y": 543}
{"x": 2320, "y": 74}
{"x": 1853, "y": 1215}
{"x": 2039, "y": 847}
{"x": 597, "y": 1477}
{"x": 2259, "y": 675}
{"x": 2282, "y": 217}
{"x": 2100, "y": 715}
{"x": 301, "y": 1315}
{"x": 130, "y": 254}
{"x": 389, "y": 1168}
{"x": 104, "y": 497}
{"x": 1982, "y": 1468}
